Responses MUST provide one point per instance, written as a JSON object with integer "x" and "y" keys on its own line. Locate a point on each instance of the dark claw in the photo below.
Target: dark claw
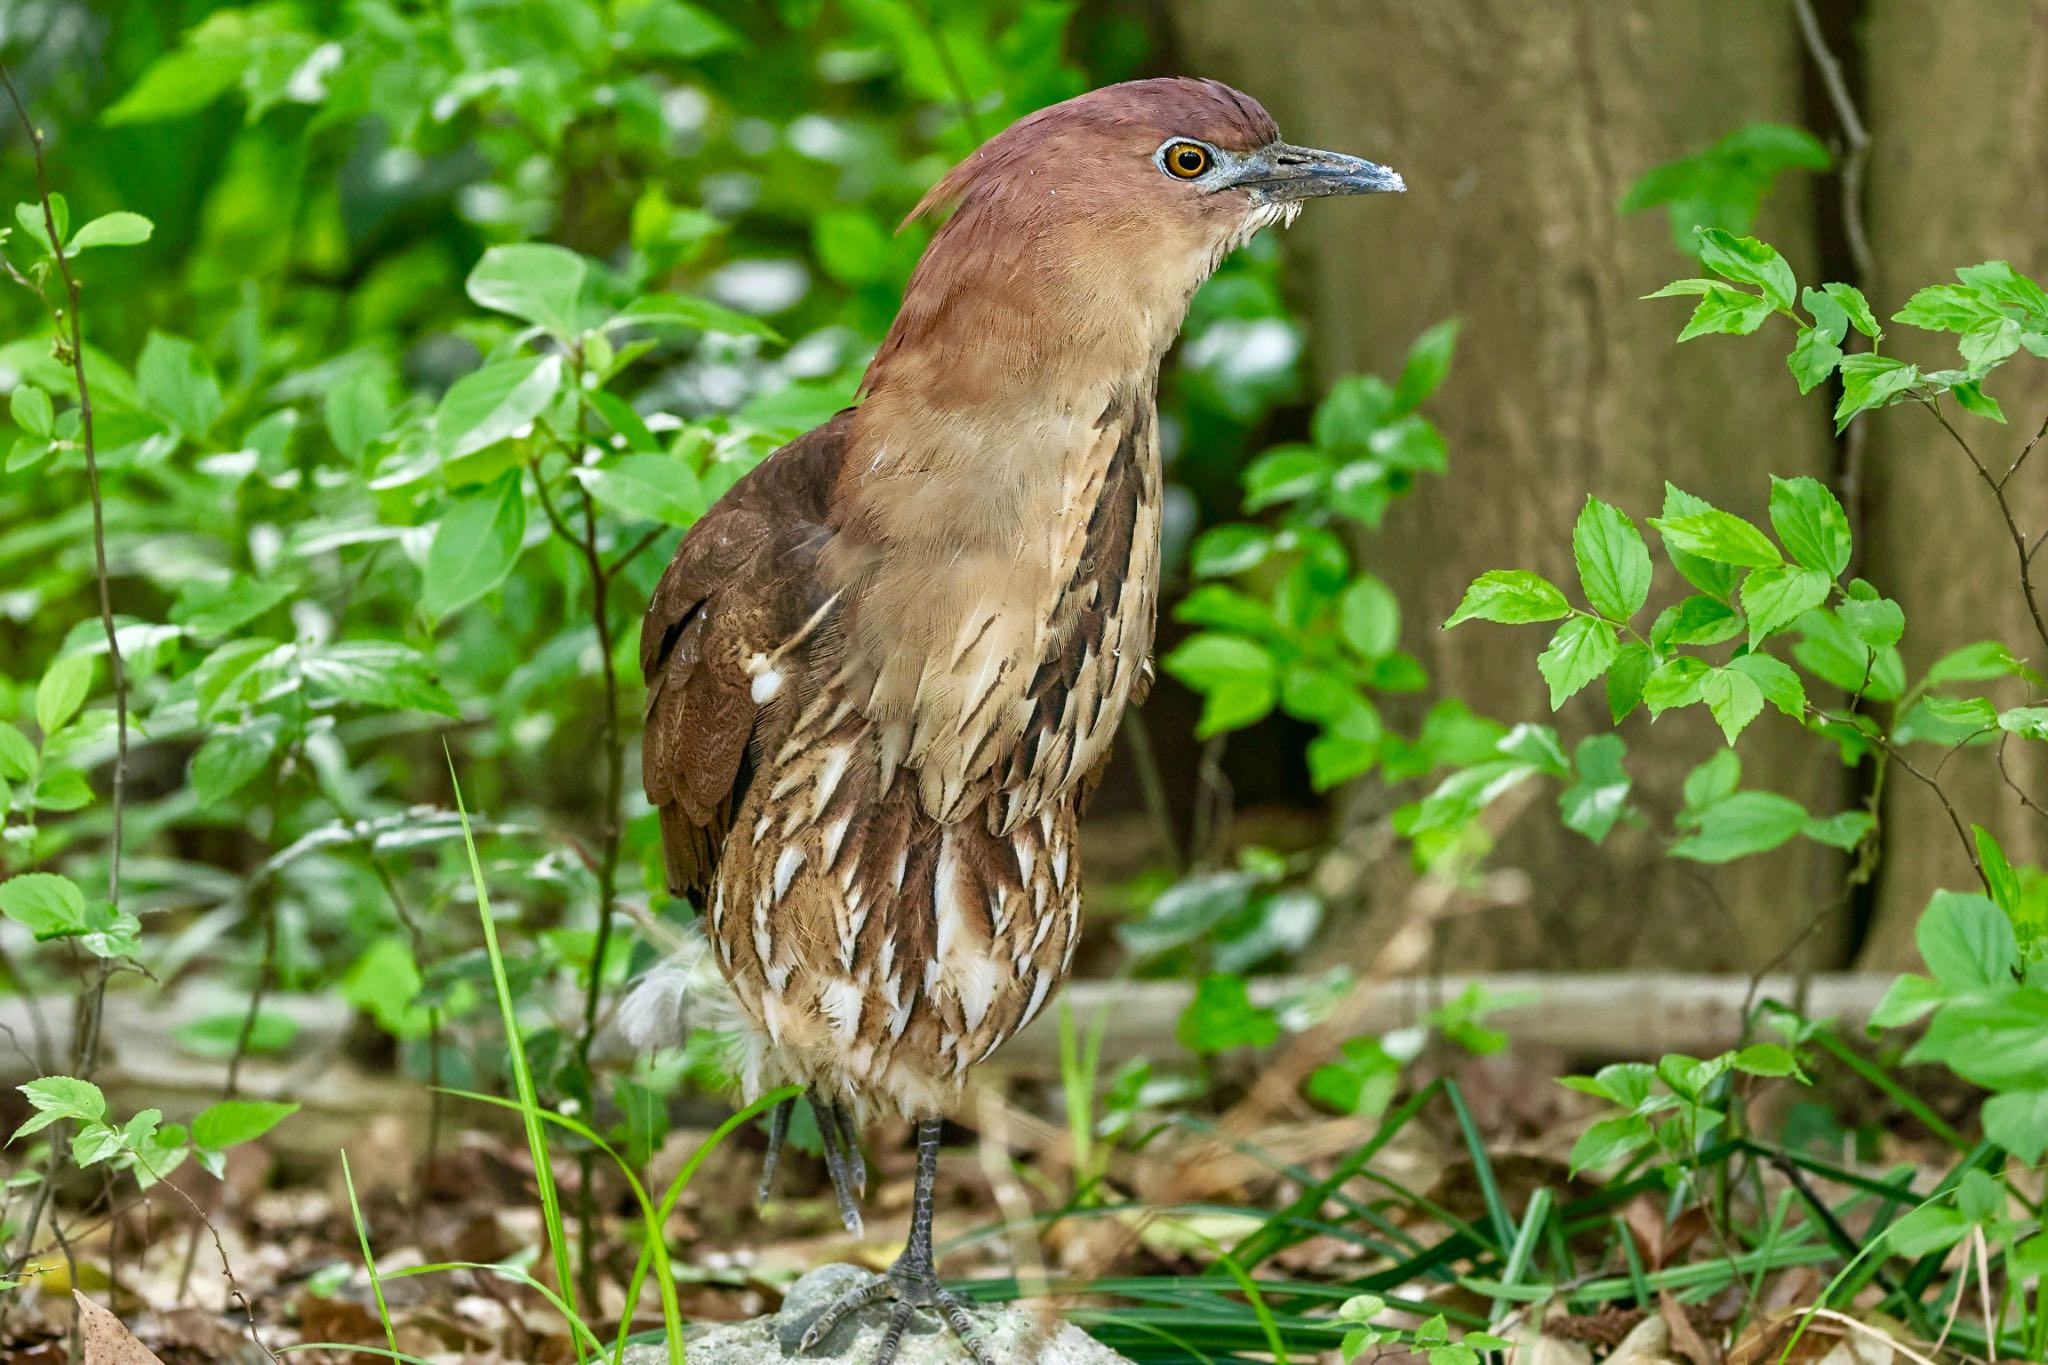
{"x": 911, "y": 1288}
{"x": 778, "y": 1132}
{"x": 832, "y": 1134}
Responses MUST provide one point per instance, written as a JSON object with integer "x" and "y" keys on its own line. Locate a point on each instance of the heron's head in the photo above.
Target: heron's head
{"x": 1106, "y": 211}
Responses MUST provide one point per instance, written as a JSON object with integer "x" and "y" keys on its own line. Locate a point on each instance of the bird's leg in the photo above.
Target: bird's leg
{"x": 913, "y": 1282}
{"x": 856, "y": 1164}
{"x": 778, "y": 1133}
{"x": 832, "y": 1132}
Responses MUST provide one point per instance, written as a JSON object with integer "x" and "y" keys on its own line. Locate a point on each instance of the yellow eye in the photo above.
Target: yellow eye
{"x": 1186, "y": 160}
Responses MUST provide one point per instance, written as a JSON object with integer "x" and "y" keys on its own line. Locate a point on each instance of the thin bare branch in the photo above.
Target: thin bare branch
{"x": 2012, "y": 528}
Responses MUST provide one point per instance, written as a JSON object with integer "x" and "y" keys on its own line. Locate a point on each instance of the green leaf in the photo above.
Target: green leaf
{"x": 536, "y": 281}
{"x": 1715, "y": 580}
{"x": 1369, "y": 618}
{"x": 1697, "y": 620}
{"x": 1684, "y": 289}
{"x": 1719, "y": 537}
{"x": 1877, "y": 621}
{"x": 1813, "y": 358}
{"x": 1999, "y": 876}
{"x": 1929, "y": 1228}
{"x": 357, "y": 413}
{"x": 697, "y": 315}
{"x": 62, "y": 691}
{"x": 57, "y": 1098}
{"x": 1724, "y": 311}
{"x": 2028, "y": 722}
{"x": 120, "y": 228}
{"x": 1610, "y": 1141}
{"x": 231, "y": 1122}
{"x": 1979, "y": 662}
{"x": 17, "y": 755}
{"x": 1746, "y": 260}
{"x": 32, "y": 410}
{"x": 1538, "y": 746}
{"x": 215, "y": 609}
{"x": 1908, "y": 1000}
{"x": 1236, "y": 677}
{"x": 1775, "y": 679}
{"x": 1773, "y": 599}
{"x": 1970, "y": 396}
{"x": 2018, "y": 1122}
{"x": 1679, "y": 681}
{"x": 1218, "y": 604}
{"x": 475, "y": 545}
{"x": 1741, "y": 824}
{"x": 1733, "y": 698}
{"x": 1613, "y": 562}
{"x": 177, "y": 83}
{"x": 646, "y": 488}
{"x": 1843, "y": 830}
{"x": 45, "y": 904}
{"x": 376, "y": 673}
{"x": 177, "y": 384}
{"x": 1997, "y": 1039}
{"x": 1871, "y": 381}
{"x": 1283, "y": 475}
{"x": 1966, "y": 941}
{"x": 1967, "y": 713}
{"x": 1356, "y": 406}
{"x": 1625, "y": 679}
{"x": 1429, "y": 360}
{"x": 1222, "y": 1016}
{"x": 488, "y": 405}
{"x": 1811, "y": 523}
{"x": 1579, "y": 652}
{"x": 1830, "y": 319}
{"x": 1767, "y": 1059}
{"x": 1855, "y": 307}
{"x": 1229, "y": 549}
{"x": 670, "y": 28}
{"x": 1597, "y": 799}
{"x": 231, "y": 758}
{"x": 1510, "y": 596}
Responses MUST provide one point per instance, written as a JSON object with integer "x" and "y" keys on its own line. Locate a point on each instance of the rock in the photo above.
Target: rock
{"x": 1015, "y": 1334}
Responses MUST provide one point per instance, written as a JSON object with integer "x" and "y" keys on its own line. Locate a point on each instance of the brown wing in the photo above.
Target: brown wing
{"x": 741, "y": 586}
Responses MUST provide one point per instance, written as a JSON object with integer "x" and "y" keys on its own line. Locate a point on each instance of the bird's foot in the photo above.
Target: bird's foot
{"x": 778, "y": 1134}
{"x": 912, "y": 1283}
{"x": 843, "y": 1161}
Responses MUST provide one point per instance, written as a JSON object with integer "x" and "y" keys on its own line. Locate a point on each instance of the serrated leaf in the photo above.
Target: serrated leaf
{"x": 1697, "y": 620}
{"x": 1813, "y": 358}
{"x": 1855, "y": 307}
{"x": 1580, "y": 652}
{"x": 1773, "y": 599}
{"x": 1510, "y": 596}
{"x": 1734, "y": 700}
{"x": 231, "y": 758}
{"x": 1775, "y": 679}
{"x": 1810, "y": 521}
{"x": 1748, "y": 261}
{"x": 1726, "y": 312}
{"x": 57, "y": 1098}
{"x": 1625, "y": 679}
{"x": 1613, "y": 562}
{"x": 1597, "y": 799}
{"x": 1719, "y": 537}
{"x": 1871, "y": 381}
{"x": 1678, "y": 681}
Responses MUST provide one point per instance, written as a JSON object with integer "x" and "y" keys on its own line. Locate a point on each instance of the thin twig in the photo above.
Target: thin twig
{"x": 86, "y": 1036}
{"x": 1997, "y": 487}
{"x": 632, "y": 552}
{"x": 1856, "y": 155}
{"x": 962, "y": 97}
{"x": 1892, "y": 750}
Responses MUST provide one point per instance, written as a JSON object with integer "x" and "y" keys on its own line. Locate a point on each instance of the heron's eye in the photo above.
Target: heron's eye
{"x": 1186, "y": 160}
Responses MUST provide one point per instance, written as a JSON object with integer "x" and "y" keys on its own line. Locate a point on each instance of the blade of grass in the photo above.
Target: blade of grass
{"x": 579, "y": 1329}
{"x": 1482, "y": 1165}
{"x": 522, "y": 1075}
{"x": 1534, "y": 1219}
{"x": 355, "y": 1212}
{"x": 653, "y": 1245}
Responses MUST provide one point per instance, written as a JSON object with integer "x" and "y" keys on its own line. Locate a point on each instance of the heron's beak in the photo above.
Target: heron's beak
{"x": 1281, "y": 174}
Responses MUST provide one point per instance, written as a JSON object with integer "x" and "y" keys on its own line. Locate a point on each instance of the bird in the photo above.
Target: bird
{"x": 884, "y": 669}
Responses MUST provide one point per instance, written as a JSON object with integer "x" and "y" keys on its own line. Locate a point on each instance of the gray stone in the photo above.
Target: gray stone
{"x": 1016, "y": 1334}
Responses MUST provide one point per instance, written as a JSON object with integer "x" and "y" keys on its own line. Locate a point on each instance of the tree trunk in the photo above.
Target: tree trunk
{"x": 1958, "y": 114}
{"x": 1518, "y": 127}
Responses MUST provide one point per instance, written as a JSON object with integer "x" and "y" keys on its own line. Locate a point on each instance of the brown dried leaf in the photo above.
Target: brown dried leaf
{"x": 1684, "y": 1337}
{"x": 106, "y": 1340}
